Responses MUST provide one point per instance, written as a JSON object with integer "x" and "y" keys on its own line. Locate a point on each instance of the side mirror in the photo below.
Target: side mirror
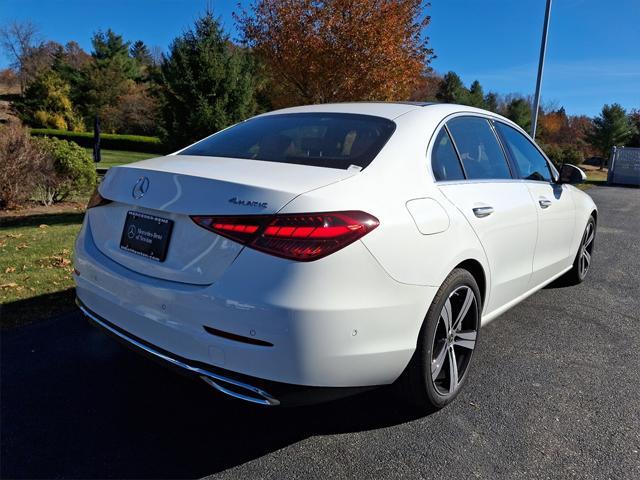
{"x": 571, "y": 174}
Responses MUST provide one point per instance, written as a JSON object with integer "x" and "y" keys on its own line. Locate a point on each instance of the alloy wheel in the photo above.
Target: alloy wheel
{"x": 584, "y": 261}
{"x": 454, "y": 340}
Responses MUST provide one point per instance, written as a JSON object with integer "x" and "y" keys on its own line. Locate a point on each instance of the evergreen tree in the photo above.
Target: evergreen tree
{"x": 452, "y": 90}
{"x": 110, "y": 51}
{"x": 519, "y": 111}
{"x": 110, "y": 74}
{"x": 611, "y": 128}
{"x": 475, "y": 98}
{"x": 491, "y": 102}
{"x": 108, "y": 46}
{"x": 140, "y": 53}
{"x": 207, "y": 83}
{"x": 634, "y": 118}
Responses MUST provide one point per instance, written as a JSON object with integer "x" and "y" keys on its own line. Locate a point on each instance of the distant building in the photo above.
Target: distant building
{"x": 624, "y": 166}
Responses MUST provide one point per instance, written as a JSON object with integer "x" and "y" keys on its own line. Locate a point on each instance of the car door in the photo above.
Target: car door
{"x": 554, "y": 205}
{"x": 497, "y": 205}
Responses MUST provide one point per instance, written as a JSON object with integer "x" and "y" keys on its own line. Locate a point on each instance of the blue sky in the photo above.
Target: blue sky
{"x": 593, "y": 55}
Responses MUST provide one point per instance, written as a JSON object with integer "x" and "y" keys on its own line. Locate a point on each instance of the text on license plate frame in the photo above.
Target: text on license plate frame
{"x": 146, "y": 235}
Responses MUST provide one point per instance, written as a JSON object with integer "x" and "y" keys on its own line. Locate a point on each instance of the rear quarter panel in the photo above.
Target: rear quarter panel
{"x": 398, "y": 175}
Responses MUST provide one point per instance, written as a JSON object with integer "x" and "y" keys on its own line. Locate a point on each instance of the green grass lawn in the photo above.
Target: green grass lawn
{"x": 112, "y": 158}
{"x": 594, "y": 177}
{"x": 35, "y": 265}
{"x": 36, "y": 248}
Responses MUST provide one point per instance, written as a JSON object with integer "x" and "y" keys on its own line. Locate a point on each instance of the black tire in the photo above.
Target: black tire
{"x": 417, "y": 385}
{"x": 582, "y": 262}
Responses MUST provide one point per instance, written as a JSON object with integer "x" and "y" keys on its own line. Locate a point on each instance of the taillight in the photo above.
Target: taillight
{"x": 97, "y": 200}
{"x": 298, "y": 236}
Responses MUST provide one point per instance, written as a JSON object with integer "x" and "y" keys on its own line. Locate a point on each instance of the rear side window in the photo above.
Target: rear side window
{"x": 530, "y": 162}
{"x": 334, "y": 140}
{"x": 479, "y": 149}
{"x": 444, "y": 160}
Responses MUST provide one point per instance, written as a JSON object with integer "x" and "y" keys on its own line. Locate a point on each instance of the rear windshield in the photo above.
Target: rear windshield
{"x": 334, "y": 140}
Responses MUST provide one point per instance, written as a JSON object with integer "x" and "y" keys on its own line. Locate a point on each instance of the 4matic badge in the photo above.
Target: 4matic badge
{"x": 248, "y": 203}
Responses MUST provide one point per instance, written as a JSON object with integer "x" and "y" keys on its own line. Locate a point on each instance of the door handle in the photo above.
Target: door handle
{"x": 482, "y": 212}
{"x": 544, "y": 202}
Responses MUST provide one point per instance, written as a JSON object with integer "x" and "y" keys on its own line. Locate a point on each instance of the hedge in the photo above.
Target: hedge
{"x": 109, "y": 141}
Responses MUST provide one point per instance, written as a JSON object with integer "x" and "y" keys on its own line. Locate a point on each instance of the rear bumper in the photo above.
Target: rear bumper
{"x": 243, "y": 387}
{"x": 339, "y": 322}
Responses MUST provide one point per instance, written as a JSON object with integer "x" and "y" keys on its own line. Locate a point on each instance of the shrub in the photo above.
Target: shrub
{"x": 46, "y": 103}
{"x": 134, "y": 111}
{"x": 73, "y": 168}
{"x": 22, "y": 165}
{"x": 560, "y": 154}
{"x": 110, "y": 141}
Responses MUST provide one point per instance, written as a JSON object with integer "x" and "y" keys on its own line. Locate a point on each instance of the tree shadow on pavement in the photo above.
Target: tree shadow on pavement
{"x": 34, "y": 220}
{"x": 32, "y": 309}
{"x": 76, "y": 404}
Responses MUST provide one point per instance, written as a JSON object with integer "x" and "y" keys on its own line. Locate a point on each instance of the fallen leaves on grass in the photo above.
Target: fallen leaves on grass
{"x": 9, "y": 285}
{"x": 59, "y": 261}
{"x": 44, "y": 225}
{"x": 22, "y": 246}
{"x": 14, "y": 235}
{"x": 9, "y": 269}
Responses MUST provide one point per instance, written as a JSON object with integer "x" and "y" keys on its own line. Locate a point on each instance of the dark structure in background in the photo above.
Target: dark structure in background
{"x": 624, "y": 166}
{"x": 96, "y": 139}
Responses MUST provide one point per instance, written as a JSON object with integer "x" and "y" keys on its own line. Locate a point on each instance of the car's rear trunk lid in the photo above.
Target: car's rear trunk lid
{"x": 176, "y": 187}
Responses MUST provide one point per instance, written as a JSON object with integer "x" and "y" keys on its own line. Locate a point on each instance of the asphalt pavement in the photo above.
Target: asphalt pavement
{"x": 554, "y": 393}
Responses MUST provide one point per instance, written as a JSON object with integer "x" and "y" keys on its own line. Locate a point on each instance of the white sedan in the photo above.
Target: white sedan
{"x": 312, "y": 252}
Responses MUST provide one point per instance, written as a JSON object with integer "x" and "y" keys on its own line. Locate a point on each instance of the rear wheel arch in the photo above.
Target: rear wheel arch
{"x": 418, "y": 384}
{"x": 475, "y": 268}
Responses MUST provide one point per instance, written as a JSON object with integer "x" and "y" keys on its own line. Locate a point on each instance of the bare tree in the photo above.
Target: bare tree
{"x": 39, "y": 59}
{"x": 17, "y": 40}
{"x": 156, "y": 55}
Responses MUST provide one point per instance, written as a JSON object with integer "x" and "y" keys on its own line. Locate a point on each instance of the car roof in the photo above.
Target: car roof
{"x": 389, "y": 110}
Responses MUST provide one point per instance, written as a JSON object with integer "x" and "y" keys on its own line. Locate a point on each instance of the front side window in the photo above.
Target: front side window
{"x": 444, "y": 160}
{"x": 530, "y": 162}
{"x": 479, "y": 149}
{"x": 333, "y": 140}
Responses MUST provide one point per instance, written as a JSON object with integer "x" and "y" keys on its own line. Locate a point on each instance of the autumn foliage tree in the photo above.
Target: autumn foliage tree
{"x": 319, "y": 51}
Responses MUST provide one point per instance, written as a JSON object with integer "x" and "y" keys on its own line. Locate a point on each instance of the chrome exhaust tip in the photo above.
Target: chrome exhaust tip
{"x": 256, "y": 395}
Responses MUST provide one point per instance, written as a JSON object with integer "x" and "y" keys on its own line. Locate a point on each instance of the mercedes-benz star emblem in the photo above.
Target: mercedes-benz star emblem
{"x": 132, "y": 231}
{"x": 140, "y": 188}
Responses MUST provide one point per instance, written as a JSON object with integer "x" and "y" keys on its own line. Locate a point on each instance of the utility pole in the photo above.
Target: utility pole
{"x": 543, "y": 51}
